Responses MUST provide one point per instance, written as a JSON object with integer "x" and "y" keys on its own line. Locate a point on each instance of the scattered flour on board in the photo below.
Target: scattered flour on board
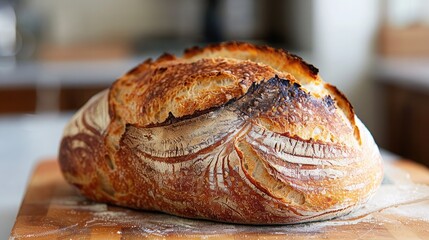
{"x": 398, "y": 197}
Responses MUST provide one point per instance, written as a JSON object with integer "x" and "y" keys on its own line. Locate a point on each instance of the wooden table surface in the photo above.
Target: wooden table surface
{"x": 52, "y": 209}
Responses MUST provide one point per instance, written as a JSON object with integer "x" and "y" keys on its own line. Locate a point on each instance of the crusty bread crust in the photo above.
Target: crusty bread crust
{"x": 231, "y": 132}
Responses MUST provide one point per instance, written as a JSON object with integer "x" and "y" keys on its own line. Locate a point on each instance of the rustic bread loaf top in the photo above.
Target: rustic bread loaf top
{"x": 209, "y": 77}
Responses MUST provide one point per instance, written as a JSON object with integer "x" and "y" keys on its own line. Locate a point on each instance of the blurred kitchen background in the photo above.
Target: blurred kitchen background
{"x": 55, "y": 54}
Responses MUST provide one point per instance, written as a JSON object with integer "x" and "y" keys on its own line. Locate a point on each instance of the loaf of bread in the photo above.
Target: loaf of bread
{"x": 231, "y": 132}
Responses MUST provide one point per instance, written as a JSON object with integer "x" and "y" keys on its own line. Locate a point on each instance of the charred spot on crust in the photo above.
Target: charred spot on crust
{"x": 329, "y": 102}
{"x": 312, "y": 69}
{"x": 263, "y": 97}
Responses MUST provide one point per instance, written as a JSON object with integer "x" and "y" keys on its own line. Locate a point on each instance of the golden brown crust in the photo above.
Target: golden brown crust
{"x": 255, "y": 53}
{"x": 231, "y": 132}
{"x": 209, "y": 77}
{"x": 346, "y": 106}
{"x": 182, "y": 88}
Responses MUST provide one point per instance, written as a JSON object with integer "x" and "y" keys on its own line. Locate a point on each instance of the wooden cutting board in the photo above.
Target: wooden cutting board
{"x": 52, "y": 209}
